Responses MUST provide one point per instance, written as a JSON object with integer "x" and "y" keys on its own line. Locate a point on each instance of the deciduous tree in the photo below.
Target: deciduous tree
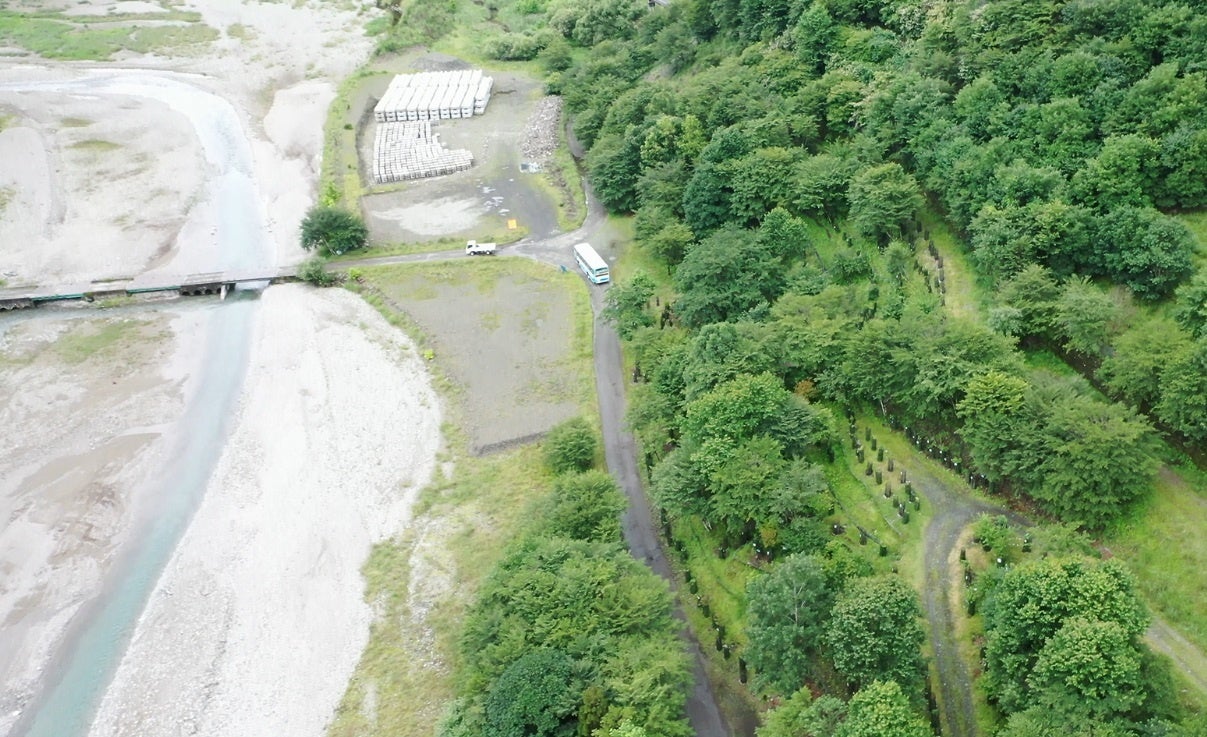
{"x": 874, "y": 633}
{"x": 788, "y": 611}
{"x": 880, "y": 709}
{"x": 883, "y": 200}
{"x": 332, "y": 231}
{"x": 725, "y": 275}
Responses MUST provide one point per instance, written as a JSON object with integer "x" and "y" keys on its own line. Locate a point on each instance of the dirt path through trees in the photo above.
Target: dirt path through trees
{"x": 953, "y": 511}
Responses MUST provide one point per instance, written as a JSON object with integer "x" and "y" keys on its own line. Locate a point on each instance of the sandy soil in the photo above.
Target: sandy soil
{"x": 112, "y": 185}
{"x": 258, "y": 620}
{"x": 101, "y": 179}
{"x": 94, "y": 427}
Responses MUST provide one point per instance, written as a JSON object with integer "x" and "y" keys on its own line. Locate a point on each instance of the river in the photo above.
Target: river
{"x": 89, "y": 655}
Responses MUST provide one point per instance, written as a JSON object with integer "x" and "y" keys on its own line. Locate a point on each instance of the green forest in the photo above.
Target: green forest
{"x": 968, "y": 230}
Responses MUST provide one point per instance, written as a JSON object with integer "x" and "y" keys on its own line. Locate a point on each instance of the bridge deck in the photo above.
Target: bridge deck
{"x": 141, "y": 285}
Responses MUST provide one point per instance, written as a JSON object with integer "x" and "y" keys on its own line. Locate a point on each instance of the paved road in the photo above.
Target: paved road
{"x": 639, "y": 529}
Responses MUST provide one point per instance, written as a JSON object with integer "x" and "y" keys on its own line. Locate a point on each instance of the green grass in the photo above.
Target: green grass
{"x": 858, "y": 505}
{"x": 240, "y": 31}
{"x": 98, "y": 39}
{"x": 910, "y": 549}
{"x": 442, "y": 245}
{"x": 73, "y": 122}
{"x": 1045, "y": 360}
{"x": 1197, "y": 223}
{"x": 339, "y": 179}
{"x": 721, "y": 586}
{"x": 561, "y": 178}
{"x": 965, "y": 297}
{"x": 826, "y": 240}
{"x": 721, "y": 582}
{"x": 87, "y": 341}
{"x": 1163, "y": 543}
{"x": 470, "y": 30}
{"x": 636, "y": 257}
{"x": 96, "y": 144}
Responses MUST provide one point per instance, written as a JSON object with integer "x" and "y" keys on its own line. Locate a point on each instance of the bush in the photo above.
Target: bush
{"x": 332, "y": 231}
{"x": 570, "y": 446}
{"x": 314, "y": 271}
{"x": 585, "y": 506}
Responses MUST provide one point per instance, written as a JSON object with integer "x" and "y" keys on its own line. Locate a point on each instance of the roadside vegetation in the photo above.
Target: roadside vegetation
{"x": 513, "y": 607}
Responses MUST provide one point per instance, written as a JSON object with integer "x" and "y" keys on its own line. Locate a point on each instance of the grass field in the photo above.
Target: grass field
{"x": 965, "y": 297}
{"x": 98, "y": 39}
{"x": 1164, "y": 543}
{"x": 93, "y": 338}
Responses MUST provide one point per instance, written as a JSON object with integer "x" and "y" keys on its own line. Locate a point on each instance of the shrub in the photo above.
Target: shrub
{"x": 570, "y": 446}
{"x": 314, "y": 271}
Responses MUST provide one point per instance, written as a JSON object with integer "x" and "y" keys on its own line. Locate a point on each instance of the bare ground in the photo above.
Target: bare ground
{"x": 503, "y": 334}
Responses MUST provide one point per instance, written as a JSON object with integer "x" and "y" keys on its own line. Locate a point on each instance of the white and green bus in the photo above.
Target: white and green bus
{"x": 590, "y": 262}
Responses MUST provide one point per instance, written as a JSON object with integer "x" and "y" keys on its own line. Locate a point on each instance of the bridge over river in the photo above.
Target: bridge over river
{"x": 218, "y": 282}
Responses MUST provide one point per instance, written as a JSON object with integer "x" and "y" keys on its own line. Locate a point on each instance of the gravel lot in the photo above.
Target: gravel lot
{"x": 478, "y": 202}
{"x": 504, "y": 332}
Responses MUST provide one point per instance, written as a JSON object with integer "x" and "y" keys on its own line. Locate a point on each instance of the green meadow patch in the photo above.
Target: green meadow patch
{"x": 99, "y": 39}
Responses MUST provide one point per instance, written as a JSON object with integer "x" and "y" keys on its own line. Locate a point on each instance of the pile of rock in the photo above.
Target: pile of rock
{"x": 540, "y": 132}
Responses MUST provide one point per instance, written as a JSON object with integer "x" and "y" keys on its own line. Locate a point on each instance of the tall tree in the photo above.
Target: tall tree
{"x": 626, "y": 304}
{"x": 874, "y": 633}
{"x": 883, "y": 200}
{"x": 1030, "y": 604}
{"x": 1183, "y": 387}
{"x": 1146, "y": 250}
{"x": 724, "y": 276}
{"x": 1089, "y": 668}
{"x": 1138, "y": 358}
{"x": 788, "y": 611}
{"x": 880, "y": 709}
{"x": 1097, "y": 458}
{"x": 1083, "y": 317}
{"x": 536, "y": 696}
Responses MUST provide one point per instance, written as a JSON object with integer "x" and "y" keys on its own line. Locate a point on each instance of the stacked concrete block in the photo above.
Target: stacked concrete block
{"x": 482, "y": 96}
{"x": 434, "y": 96}
{"x": 409, "y": 150}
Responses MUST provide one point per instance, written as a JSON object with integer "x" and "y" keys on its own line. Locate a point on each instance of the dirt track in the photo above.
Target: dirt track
{"x": 953, "y": 512}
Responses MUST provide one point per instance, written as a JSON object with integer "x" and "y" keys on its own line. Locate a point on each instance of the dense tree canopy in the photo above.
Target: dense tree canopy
{"x": 874, "y": 633}
{"x": 789, "y": 609}
{"x": 816, "y": 176}
{"x": 1032, "y": 604}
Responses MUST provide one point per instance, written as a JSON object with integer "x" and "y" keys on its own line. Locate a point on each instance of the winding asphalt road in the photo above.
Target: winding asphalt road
{"x": 620, "y": 450}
